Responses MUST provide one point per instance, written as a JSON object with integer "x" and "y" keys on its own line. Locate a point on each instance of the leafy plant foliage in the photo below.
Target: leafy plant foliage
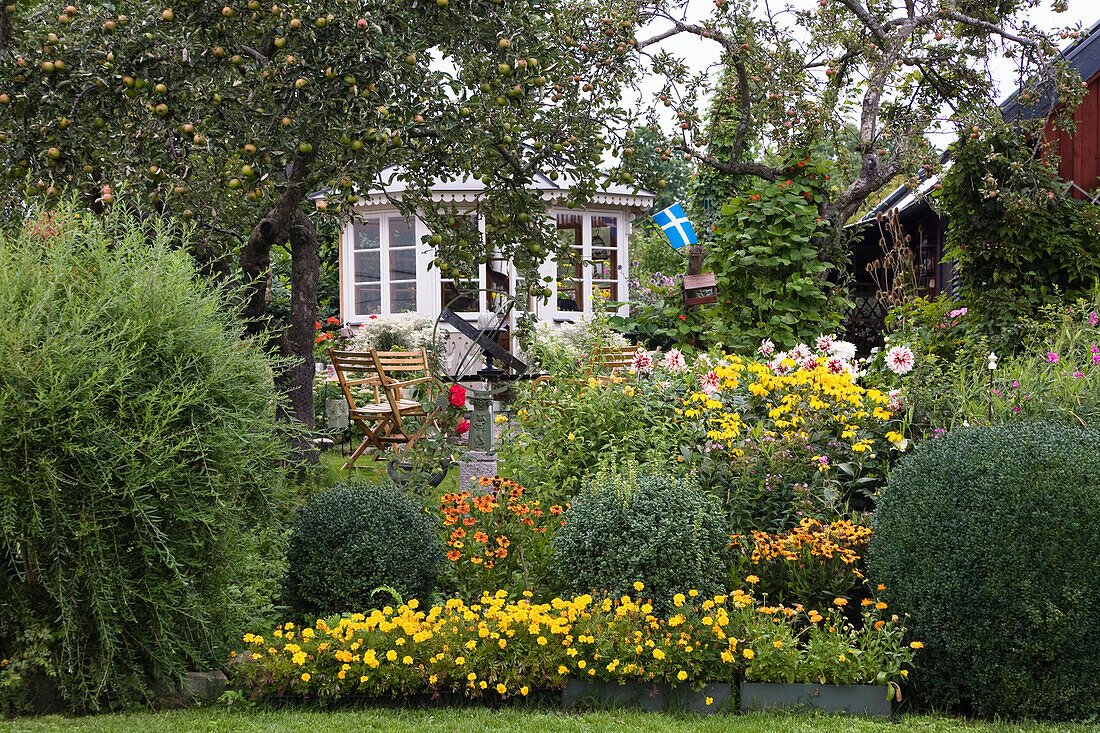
{"x": 638, "y": 525}
{"x": 987, "y": 537}
{"x": 138, "y": 449}
{"x": 1018, "y": 241}
{"x": 354, "y": 539}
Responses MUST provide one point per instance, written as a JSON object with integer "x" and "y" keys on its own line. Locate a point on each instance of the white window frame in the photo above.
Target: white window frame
{"x": 422, "y": 258}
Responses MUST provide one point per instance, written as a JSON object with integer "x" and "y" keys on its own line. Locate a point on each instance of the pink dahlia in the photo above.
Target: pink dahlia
{"x": 900, "y": 360}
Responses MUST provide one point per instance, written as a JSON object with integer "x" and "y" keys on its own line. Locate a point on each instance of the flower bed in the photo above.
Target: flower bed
{"x": 507, "y": 648}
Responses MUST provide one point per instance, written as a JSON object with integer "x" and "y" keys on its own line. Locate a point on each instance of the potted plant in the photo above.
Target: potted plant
{"x": 818, "y": 660}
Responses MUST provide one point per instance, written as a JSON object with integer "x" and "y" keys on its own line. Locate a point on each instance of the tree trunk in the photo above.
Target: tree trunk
{"x": 296, "y": 341}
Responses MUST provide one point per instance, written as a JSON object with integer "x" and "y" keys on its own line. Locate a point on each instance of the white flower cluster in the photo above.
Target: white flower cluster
{"x": 398, "y": 332}
{"x": 569, "y": 342}
{"x": 836, "y": 355}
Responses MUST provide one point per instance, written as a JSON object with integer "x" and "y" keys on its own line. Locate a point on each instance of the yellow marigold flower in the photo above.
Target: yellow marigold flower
{"x": 678, "y": 599}
{"x": 459, "y": 661}
{"x": 881, "y": 606}
{"x": 483, "y": 684}
{"x": 305, "y": 676}
{"x": 777, "y": 644}
{"x": 840, "y": 601}
{"x": 391, "y": 655}
{"x": 582, "y": 664}
{"x": 524, "y": 690}
{"x": 710, "y": 701}
{"x": 752, "y": 579}
{"x": 658, "y": 654}
{"x": 639, "y": 586}
{"x": 916, "y": 645}
{"x": 748, "y": 653}
{"x": 501, "y": 689}
{"x": 562, "y": 669}
{"x": 681, "y": 675}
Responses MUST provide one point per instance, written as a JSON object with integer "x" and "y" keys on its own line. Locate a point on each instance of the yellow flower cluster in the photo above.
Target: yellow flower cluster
{"x": 810, "y": 563}
{"x": 786, "y": 404}
{"x": 508, "y": 647}
{"x": 812, "y": 541}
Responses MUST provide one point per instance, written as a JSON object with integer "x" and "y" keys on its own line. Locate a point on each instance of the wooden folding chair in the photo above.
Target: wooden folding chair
{"x": 606, "y": 361}
{"x": 373, "y": 415}
{"x": 394, "y": 369}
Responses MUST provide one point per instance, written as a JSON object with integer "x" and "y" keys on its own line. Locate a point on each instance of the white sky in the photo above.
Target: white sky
{"x": 700, "y": 54}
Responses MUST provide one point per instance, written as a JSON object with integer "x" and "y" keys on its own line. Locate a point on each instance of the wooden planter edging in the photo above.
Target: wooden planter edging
{"x": 855, "y": 699}
{"x": 649, "y": 696}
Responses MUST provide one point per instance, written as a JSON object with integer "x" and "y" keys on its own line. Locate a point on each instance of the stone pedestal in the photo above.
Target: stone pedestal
{"x": 474, "y": 465}
{"x": 336, "y": 414}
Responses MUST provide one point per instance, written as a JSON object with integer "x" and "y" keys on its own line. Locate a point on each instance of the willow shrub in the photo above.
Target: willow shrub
{"x": 137, "y": 448}
{"x": 988, "y": 538}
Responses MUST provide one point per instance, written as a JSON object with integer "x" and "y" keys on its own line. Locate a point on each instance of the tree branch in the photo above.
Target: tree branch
{"x": 992, "y": 28}
{"x": 865, "y": 17}
{"x": 733, "y": 168}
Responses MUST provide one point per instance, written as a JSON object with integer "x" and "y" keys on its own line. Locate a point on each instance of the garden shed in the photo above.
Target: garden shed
{"x": 384, "y": 261}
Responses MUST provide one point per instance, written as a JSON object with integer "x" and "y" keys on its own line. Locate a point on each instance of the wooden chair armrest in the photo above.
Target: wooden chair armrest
{"x": 410, "y": 382}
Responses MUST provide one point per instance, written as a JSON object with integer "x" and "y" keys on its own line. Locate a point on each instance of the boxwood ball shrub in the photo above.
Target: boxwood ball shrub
{"x": 138, "y": 454}
{"x": 356, "y": 538}
{"x": 642, "y": 525}
{"x": 989, "y": 539}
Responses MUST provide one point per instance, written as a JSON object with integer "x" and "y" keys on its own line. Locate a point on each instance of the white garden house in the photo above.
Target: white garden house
{"x": 384, "y": 261}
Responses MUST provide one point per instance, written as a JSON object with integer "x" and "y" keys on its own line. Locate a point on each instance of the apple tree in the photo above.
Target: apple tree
{"x": 232, "y": 113}
{"x": 795, "y": 78}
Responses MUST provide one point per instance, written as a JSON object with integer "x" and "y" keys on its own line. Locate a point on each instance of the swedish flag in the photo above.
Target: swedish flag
{"x": 676, "y": 226}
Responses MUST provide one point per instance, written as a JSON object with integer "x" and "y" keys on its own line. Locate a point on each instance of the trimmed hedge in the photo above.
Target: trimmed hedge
{"x": 990, "y": 539}
{"x": 354, "y": 539}
{"x": 657, "y": 529}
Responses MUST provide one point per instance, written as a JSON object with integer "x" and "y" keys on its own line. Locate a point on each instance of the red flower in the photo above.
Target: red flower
{"x": 463, "y": 427}
{"x": 333, "y": 320}
{"x": 458, "y": 395}
{"x": 374, "y": 318}
{"x": 317, "y": 325}
{"x": 683, "y": 317}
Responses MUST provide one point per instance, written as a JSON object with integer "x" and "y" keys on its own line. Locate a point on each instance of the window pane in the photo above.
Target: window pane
{"x": 570, "y": 282}
{"x": 367, "y": 234}
{"x": 497, "y": 277}
{"x": 609, "y": 291}
{"x": 569, "y": 229}
{"x": 402, "y": 264}
{"x": 367, "y": 267}
{"x": 605, "y": 232}
{"x": 368, "y": 299}
{"x": 464, "y": 301}
{"x": 402, "y": 297}
{"x": 605, "y": 264}
{"x": 401, "y": 233}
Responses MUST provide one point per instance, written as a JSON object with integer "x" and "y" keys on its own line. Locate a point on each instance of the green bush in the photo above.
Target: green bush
{"x": 352, "y": 540}
{"x": 1017, "y": 241}
{"x": 641, "y": 526}
{"x": 988, "y": 538}
{"x": 138, "y": 449}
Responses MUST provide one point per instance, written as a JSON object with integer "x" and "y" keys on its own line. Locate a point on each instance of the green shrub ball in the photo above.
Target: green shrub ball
{"x": 990, "y": 539}
{"x": 354, "y": 539}
{"x": 659, "y": 530}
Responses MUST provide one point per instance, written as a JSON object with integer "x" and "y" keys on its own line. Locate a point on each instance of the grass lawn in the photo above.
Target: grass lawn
{"x": 483, "y": 719}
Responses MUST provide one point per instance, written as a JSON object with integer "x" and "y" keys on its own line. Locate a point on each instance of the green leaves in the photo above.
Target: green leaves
{"x": 769, "y": 275}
